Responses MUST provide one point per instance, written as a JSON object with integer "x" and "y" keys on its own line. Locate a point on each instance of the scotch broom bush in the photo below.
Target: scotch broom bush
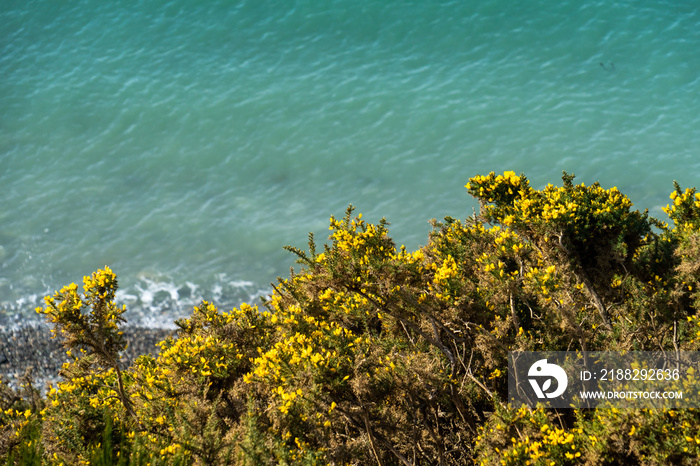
{"x": 370, "y": 354}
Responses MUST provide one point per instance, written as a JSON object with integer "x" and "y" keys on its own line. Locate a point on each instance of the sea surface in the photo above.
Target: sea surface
{"x": 184, "y": 143}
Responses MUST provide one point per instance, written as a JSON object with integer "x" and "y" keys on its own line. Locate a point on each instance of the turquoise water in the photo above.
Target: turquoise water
{"x": 183, "y": 142}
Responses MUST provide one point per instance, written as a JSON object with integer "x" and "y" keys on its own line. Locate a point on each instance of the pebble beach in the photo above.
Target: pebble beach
{"x": 31, "y": 346}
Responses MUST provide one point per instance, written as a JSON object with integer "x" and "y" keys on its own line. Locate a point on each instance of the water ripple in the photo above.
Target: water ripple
{"x": 186, "y": 136}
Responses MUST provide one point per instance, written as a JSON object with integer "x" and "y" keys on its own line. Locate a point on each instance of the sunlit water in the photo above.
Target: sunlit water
{"x": 184, "y": 143}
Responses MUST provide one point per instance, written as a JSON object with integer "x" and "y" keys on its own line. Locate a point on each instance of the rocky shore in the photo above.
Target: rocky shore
{"x": 31, "y": 346}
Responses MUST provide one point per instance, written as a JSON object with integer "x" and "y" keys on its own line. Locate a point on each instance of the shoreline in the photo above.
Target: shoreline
{"x": 31, "y": 346}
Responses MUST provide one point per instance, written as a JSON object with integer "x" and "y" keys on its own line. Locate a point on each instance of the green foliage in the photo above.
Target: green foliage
{"x": 19, "y": 424}
{"x": 370, "y": 354}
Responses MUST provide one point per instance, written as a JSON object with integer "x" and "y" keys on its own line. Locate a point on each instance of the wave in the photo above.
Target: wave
{"x": 152, "y": 301}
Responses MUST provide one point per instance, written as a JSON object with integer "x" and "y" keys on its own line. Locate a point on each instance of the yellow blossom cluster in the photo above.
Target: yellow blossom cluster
{"x": 324, "y": 349}
{"x": 444, "y": 274}
{"x": 97, "y": 328}
{"x": 536, "y": 440}
{"x": 365, "y": 240}
{"x": 201, "y": 355}
{"x": 685, "y": 209}
{"x": 543, "y": 279}
{"x": 571, "y": 210}
{"x": 15, "y": 421}
{"x": 494, "y": 187}
{"x": 507, "y": 240}
{"x": 103, "y": 282}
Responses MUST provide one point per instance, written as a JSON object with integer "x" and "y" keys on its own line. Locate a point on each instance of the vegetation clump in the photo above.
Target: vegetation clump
{"x": 370, "y": 354}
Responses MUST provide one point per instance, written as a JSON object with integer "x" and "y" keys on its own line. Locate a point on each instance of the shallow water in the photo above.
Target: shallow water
{"x": 184, "y": 143}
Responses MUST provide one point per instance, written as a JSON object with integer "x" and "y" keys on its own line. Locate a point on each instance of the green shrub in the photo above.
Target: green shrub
{"x": 370, "y": 354}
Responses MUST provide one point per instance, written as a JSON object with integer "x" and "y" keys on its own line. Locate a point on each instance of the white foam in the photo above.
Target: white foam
{"x": 25, "y": 300}
{"x": 155, "y": 300}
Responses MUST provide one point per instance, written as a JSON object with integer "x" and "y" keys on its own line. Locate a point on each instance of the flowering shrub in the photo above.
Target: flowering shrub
{"x": 370, "y": 354}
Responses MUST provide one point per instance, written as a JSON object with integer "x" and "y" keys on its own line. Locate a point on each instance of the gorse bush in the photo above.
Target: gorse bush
{"x": 370, "y": 354}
